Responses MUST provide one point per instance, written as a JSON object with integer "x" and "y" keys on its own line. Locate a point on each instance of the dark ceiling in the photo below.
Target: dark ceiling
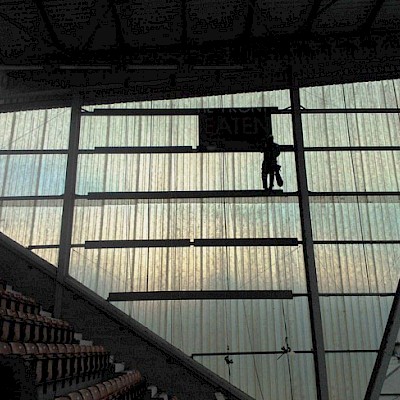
{"x": 115, "y": 50}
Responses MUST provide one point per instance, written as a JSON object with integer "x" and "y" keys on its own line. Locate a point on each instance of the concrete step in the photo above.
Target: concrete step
{"x": 46, "y": 314}
{"x": 153, "y": 391}
{"x": 83, "y": 342}
{"x": 119, "y": 367}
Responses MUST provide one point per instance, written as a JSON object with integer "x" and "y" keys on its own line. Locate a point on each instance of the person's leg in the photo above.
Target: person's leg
{"x": 264, "y": 177}
{"x": 271, "y": 179}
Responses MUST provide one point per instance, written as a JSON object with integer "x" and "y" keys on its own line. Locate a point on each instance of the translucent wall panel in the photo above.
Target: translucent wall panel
{"x": 353, "y": 171}
{"x": 277, "y": 98}
{"x": 139, "y": 131}
{"x": 357, "y": 268}
{"x": 186, "y": 219}
{"x": 349, "y": 374}
{"x": 189, "y": 268}
{"x": 31, "y": 130}
{"x": 351, "y": 129}
{"x": 354, "y": 323}
{"x": 50, "y": 255}
{"x": 266, "y": 377}
{"x": 173, "y": 172}
{"x": 31, "y": 222}
{"x": 379, "y": 94}
{"x": 30, "y": 175}
{"x": 133, "y": 131}
{"x": 352, "y": 218}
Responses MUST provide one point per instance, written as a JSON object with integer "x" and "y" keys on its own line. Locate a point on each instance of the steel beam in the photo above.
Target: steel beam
{"x": 306, "y": 28}
{"x": 356, "y": 241}
{"x": 272, "y": 352}
{"x": 201, "y": 295}
{"x": 249, "y": 19}
{"x": 326, "y": 7}
{"x": 159, "y": 111}
{"x": 196, "y": 111}
{"x": 187, "y": 194}
{"x": 308, "y": 249}
{"x": 170, "y": 150}
{"x": 322, "y": 197}
{"x": 117, "y": 22}
{"x": 125, "y": 244}
{"x": 366, "y": 27}
{"x": 49, "y": 27}
{"x": 68, "y": 206}
{"x": 386, "y": 348}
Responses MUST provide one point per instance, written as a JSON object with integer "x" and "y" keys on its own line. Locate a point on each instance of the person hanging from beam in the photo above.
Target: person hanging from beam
{"x": 270, "y": 168}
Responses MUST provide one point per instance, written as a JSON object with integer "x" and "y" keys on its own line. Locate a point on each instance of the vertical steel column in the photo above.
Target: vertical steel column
{"x": 386, "y": 348}
{"x": 68, "y": 206}
{"x": 308, "y": 249}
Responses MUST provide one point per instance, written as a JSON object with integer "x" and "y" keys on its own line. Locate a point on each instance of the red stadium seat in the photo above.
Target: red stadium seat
{"x": 43, "y": 366}
{"x": 103, "y": 391}
{"x": 95, "y": 392}
{"x": 64, "y": 363}
{"x": 6, "y": 324}
{"x": 17, "y": 348}
{"x": 86, "y": 395}
{"x": 109, "y": 387}
{"x": 75, "y": 396}
{"x": 17, "y": 325}
{"x": 5, "y": 349}
{"x": 38, "y": 326}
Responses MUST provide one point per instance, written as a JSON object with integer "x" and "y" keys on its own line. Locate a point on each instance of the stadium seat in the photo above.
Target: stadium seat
{"x": 86, "y": 394}
{"x": 3, "y": 284}
{"x": 17, "y": 325}
{"x": 75, "y": 396}
{"x": 38, "y": 326}
{"x": 5, "y": 348}
{"x": 64, "y": 363}
{"x": 95, "y": 392}
{"x": 6, "y": 325}
{"x": 43, "y": 355}
{"x": 110, "y": 389}
{"x": 103, "y": 391}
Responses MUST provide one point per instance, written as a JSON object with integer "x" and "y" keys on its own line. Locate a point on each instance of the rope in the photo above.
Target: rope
{"x": 287, "y": 350}
{"x": 227, "y": 263}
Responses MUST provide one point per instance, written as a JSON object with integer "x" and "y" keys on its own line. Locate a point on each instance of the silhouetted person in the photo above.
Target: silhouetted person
{"x": 270, "y": 167}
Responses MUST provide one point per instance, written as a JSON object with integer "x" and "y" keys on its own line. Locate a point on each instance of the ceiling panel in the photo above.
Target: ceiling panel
{"x": 280, "y": 17}
{"x": 389, "y": 15}
{"x": 209, "y": 20}
{"x": 343, "y": 16}
{"x": 74, "y": 21}
{"x": 21, "y": 30}
{"x": 151, "y": 22}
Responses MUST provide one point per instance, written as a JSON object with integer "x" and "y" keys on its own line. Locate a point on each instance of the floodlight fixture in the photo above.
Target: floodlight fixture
{"x": 140, "y": 67}
{"x": 21, "y": 68}
{"x": 218, "y": 67}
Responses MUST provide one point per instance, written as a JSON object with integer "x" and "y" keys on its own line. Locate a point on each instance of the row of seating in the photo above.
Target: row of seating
{"x": 18, "y": 302}
{"x": 18, "y": 326}
{"x": 48, "y": 345}
{"x": 128, "y": 386}
{"x": 60, "y": 362}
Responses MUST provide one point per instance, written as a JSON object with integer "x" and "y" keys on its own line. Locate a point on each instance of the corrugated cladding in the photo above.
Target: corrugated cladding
{"x": 355, "y": 323}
